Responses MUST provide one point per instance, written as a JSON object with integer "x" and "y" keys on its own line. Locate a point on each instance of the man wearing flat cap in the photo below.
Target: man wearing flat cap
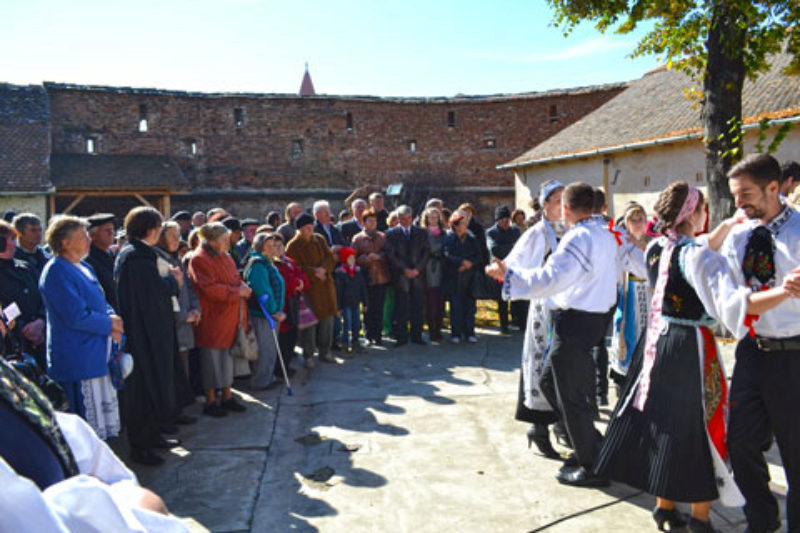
{"x": 184, "y": 220}
{"x": 249, "y": 227}
{"x": 101, "y": 231}
{"x": 234, "y": 225}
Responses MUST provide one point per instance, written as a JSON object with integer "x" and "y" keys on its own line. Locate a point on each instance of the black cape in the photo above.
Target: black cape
{"x": 145, "y": 303}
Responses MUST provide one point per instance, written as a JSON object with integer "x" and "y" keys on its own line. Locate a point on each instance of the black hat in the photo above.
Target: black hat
{"x": 501, "y": 211}
{"x": 232, "y": 223}
{"x": 98, "y": 219}
{"x": 303, "y": 220}
{"x": 181, "y": 215}
{"x": 9, "y": 215}
{"x": 250, "y": 222}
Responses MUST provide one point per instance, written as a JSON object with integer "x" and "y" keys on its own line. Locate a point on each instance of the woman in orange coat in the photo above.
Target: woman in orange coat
{"x": 220, "y": 291}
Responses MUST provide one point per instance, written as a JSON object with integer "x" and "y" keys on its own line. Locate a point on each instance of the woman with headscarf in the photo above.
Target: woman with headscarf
{"x": 536, "y": 405}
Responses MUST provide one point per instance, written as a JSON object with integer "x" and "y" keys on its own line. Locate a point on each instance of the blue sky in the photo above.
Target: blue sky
{"x": 410, "y": 48}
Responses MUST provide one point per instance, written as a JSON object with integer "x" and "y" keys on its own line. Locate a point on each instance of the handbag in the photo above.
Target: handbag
{"x": 245, "y": 345}
{"x": 305, "y": 316}
{"x": 120, "y": 365}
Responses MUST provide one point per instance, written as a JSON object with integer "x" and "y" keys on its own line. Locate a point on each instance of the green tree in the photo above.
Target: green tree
{"x": 720, "y": 42}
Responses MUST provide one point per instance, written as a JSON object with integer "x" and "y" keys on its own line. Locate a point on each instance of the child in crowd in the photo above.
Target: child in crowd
{"x": 351, "y": 290}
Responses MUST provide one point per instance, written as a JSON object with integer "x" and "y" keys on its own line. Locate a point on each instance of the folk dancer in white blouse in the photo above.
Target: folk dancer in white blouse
{"x": 765, "y": 392}
{"x": 581, "y": 280}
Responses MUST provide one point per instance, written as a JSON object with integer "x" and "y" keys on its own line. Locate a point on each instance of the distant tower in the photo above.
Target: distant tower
{"x": 307, "y": 88}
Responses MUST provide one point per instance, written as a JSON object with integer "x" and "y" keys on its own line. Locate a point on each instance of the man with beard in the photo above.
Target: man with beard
{"x": 764, "y": 392}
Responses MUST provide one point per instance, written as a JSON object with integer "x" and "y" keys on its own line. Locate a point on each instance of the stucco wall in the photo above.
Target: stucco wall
{"x": 21, "y": 204}
{"x": 639, "y": 174}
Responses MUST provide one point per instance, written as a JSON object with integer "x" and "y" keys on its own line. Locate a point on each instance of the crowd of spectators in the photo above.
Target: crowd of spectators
{"x": 177, "y": 294}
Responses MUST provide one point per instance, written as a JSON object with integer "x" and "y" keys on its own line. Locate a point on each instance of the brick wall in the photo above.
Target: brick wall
{"x": 297, "y": 143}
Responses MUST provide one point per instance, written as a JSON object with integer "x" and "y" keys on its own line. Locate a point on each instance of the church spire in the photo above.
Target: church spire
{"x": 307, "y": 88}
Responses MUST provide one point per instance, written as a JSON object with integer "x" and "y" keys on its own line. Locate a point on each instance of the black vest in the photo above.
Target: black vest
{"x": 680, "y": 299}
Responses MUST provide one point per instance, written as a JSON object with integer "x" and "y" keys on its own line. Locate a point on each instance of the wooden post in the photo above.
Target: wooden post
{"x": 74, "y": 202}
{"x": 165, "y": 206}
{"x": 607, "y": 187}
{"x": 52, "y": 201}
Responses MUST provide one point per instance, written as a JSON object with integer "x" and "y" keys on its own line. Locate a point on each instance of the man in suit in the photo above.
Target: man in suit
{"x": 407, "y": 254}
{"x": 353, "y": 226}
{"x": 323, "y": 226}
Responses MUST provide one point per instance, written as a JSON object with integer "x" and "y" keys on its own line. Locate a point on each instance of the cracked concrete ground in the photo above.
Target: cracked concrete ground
{"x": 408, "y": 439}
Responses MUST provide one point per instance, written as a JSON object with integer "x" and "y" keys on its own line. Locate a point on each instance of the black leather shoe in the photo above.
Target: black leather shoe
{"x": 166, "y": 444}
{"x": 580, "y": 477}
{"x": 186, "y": 420}
{"x": 698, "y": 526}
{"x": 214, "y": 410}
{"x": 168, "y": 429}
{"x": 232, "y": 405}
{"x": 673, "y": 517}
{"x": 146, "y": 457}
{"x": 539, "y": 434}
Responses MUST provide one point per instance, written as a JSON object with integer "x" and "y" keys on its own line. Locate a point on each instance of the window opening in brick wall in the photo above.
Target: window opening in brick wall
{"x": 238, "y": 117}
{"x": 451, "y": 119}
{"x": 297, "y": 148}
{"x": 491, "y": 144}
{"x": 412, "y": 146}
{"x": 191, "y": 146}
{"x": 142, "y": 118}
{"x": 91, "y": 145}
{"x": 349, "y": 121}
{"x": 553, "y": 113}
{"x": 699, "y": 176}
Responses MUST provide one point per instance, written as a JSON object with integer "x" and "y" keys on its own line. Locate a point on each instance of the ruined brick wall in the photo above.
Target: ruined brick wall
{"x": 288, "y": 142}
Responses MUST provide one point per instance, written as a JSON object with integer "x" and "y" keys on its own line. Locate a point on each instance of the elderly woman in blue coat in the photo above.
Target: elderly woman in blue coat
{"x": 80, "y": 327}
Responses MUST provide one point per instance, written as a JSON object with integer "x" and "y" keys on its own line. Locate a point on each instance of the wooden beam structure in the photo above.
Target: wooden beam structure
{"x": 164, "y": 198}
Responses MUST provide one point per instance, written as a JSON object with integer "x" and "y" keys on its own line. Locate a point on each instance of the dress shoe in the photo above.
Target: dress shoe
{"x": 699, "y": 526}
{"x": 580, "y": 477}
{"x": 214, "y": 410}
{"x": 185, "y": 420}
{"x": 145, "y": 456}
{"x": 168, "y": 429}
{"x": 538, "y": 434}
{"x": 673, "y": 517}
{"x": 166, "y": 444}
{"x": 232, "y": 405}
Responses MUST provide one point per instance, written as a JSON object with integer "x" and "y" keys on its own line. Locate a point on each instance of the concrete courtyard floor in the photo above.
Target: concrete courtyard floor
{"x": 409, "y": 439}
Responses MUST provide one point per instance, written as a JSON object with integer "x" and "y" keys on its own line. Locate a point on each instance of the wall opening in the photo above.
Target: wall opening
{"x": 412, "y": 146}
{"x": 490, "y": 144}
{"x": 91, "y": 145}
{"x": 142, "y": 118}
{"x": 238, "y": 117}
{"x": 349, "y": 121}
{"x": 297, "y": 148}
{"x": 553, "y": 114}
{"x": 451, "y": 119}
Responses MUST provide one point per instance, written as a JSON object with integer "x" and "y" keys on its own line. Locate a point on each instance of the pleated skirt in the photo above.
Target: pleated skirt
{"x": 664, "y": 449}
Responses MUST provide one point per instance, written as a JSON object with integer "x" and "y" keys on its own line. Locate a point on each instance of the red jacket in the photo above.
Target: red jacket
{"x": 216, "y": 283}
{"x": 292, "y": 276}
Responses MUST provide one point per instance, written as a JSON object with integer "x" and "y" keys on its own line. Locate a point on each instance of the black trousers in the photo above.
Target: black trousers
{"x": 600, "y": 355}
{"x": 373, "y": 318}
{"x": 408, "y": 307}
{"x": 574, "y": 334}
{"x": 286, "y": 342}
{"x": 764, "y": 401}
{"x": 517, "y": 308}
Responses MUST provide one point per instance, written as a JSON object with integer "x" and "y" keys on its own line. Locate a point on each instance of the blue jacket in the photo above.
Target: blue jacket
{"x": 78, "y": 322}
{"x": 262, "y": 276}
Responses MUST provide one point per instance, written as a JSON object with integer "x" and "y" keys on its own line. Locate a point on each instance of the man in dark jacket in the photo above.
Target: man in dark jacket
{"x": 407, "y": 254}
{"x": 353, "y": 226}
{"x": 101, "y": 231}
{"x": 376, "y": 204}
{"x": 29, "y": 249}
{"x": 19, "y": 284}
{"x": 500, "y": 239}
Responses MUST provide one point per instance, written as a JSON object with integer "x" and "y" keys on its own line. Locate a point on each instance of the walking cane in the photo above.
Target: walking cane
{"x": 261, "y": 302}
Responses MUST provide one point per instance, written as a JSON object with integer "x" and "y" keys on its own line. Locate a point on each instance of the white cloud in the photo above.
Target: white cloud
{"x": 592, "y": 47}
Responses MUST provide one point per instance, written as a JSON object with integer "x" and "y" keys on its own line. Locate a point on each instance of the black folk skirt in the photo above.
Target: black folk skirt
{"x": 664, "y": 449}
